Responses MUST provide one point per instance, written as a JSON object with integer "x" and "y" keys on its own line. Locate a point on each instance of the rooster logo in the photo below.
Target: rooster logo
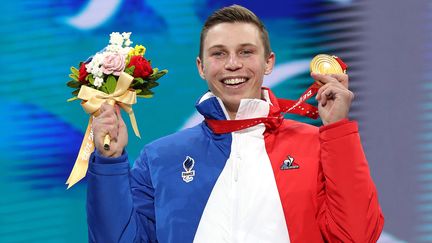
{"x": 289, "y": 164}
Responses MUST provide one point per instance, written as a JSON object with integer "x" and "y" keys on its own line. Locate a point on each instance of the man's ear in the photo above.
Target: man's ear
{"x": 200, "y": 67}
{"x": 270, "y": 61}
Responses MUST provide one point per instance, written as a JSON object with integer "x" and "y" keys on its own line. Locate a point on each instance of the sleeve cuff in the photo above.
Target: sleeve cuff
{"x": 101, "y": 165}
{"x": 100, "y": 159}
{"x": 338, "y": 129}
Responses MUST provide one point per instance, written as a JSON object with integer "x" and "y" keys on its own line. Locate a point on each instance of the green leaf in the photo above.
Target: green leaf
{"x": 73, "y": 76}
{"x": 145, "y": 92}
{"x": 158, "y": 75}
{"x": 90, "y": 78}
{"x": 152, "y": 84}
{"x": 145, "y": 96}
{"x": 139, "y": 80}
{"x": 73, "y": 84}
{"x": 74, "y": 71}
{"x": 72, "y": 99}
{"x": 136, "y": 85}
{"x": 110, "y": 84}
{"x": 130, "y": 70}
{"x": 104, "y": 89}
{"x": 75, "y": 92}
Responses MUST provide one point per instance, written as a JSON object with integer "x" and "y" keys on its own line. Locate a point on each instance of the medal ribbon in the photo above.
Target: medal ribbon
{"x": 298, "y": 107}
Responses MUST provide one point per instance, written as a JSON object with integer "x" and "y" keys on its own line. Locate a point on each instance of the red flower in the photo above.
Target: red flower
{"x": 83, "y": 74}
{"x": 142, "y": 67}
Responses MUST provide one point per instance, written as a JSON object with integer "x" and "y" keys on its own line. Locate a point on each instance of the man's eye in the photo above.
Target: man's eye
{"x": 246, "y": 52}
{"x": 217, "y": 53}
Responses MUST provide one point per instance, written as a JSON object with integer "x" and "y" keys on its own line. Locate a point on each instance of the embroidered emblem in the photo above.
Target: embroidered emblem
{"x": 289, "y": 164}
{"x": 188, "y": 165}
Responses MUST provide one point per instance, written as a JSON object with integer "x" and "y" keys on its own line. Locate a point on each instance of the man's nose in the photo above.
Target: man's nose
{"x": 233, "y": 63}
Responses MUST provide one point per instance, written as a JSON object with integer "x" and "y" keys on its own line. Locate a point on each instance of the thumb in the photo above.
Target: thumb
{"x": 119, "y": 116}
{"x": 121, "y": 123}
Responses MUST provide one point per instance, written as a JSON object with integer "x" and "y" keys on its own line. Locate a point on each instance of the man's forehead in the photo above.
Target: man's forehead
{"x": 227, "y": 34}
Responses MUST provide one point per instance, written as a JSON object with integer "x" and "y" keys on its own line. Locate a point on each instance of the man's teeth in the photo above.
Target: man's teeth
{"x": 234, "y": 80}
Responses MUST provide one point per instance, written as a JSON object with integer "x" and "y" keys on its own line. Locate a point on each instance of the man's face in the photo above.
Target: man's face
{"x": 234, "y": 63}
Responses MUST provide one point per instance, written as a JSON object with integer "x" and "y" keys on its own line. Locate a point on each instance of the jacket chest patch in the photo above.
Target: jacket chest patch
{"x": 289, "y": 164}
{"x": 189, "y": 173}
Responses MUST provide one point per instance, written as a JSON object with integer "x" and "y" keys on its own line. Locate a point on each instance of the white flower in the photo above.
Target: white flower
{"x": 113, "y": 48}
{"x": 126, "y": 35}
{"x": 124, "y": 51}
{"x": 116, "y": 38}
{"x": 98, "y": 82}
{"x": 88, "y": 68}
{"x": 128, "y": 42}
{"x": 99, "y": 72}
{"x": 93, "y": 67}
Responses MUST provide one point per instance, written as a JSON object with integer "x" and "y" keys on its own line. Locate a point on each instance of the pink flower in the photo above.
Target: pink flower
{"x": 113, "y": 63}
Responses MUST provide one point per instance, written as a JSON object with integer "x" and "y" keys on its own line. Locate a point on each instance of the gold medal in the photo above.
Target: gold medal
{"x": 325, "y": 64}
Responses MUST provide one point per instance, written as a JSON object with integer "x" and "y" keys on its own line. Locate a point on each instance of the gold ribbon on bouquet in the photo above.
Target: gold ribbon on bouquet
{"x": 92, "y": 101}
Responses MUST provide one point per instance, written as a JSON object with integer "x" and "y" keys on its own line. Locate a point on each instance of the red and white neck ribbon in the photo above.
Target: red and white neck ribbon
{"x": 298, "y": 107}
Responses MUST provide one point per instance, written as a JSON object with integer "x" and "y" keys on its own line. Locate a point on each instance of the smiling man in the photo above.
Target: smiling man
{"x": 272, "y": 180}
{"x": 234, "y": 61}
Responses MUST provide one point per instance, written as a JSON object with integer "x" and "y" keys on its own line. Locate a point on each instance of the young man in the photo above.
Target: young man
{"x": 281, "y": 181}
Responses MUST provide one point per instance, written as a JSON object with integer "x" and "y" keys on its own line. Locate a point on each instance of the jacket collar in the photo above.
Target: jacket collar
{"x": 212, "y": 107}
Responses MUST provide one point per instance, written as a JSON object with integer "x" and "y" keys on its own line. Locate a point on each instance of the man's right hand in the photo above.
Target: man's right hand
{"x": 109, "y": 121}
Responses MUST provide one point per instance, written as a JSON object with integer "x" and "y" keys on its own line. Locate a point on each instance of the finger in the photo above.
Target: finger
{"x": 106, "y": 119}
{"x": 121, "y": 122}
{"x": 105, "y": 111}
{"x": 323, "y": 78}
{"x": 106, "y": 123}
{"x": 343, "y": 78}
{"x": 113, "y": 131}
{"x": 322, "y": 88}
{"x": 99, "y": 134}
{"x": 335, "y": 83}
{"x": 117, "y": 111}
{"x": 329, "y": 93}
{"x": 105, "y": 106}
{"x": 326, "y": 96}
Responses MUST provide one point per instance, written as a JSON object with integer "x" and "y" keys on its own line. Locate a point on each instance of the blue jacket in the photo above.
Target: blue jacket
{"x": 260, "y": 184}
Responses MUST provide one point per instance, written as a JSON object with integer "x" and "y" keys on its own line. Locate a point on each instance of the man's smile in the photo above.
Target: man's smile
{"x": 234, "y": 81}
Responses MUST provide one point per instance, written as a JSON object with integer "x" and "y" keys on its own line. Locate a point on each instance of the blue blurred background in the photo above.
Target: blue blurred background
{"x": 385, "y": 43}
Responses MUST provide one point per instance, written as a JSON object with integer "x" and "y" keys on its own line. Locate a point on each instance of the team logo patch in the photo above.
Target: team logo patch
{"x": 289, "y": 164}
{"x": 188, "y": 165}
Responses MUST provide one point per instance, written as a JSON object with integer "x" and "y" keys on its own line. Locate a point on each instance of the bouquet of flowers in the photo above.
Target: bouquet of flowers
{"x": 101, "y": 71}
{"x": 117, "y": 74}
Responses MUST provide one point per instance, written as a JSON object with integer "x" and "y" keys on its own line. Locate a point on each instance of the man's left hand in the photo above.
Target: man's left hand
{"x": 334, "y": 98}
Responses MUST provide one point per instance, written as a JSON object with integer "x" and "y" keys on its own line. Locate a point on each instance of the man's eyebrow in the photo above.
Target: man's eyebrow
{"x": 247, "y": 44}
{"x": 216, "y": 46}
{"x": 241, "y": 45}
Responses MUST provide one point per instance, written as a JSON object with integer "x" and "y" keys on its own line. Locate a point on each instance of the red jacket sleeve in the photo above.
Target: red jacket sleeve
{"x": 348, "y": 210}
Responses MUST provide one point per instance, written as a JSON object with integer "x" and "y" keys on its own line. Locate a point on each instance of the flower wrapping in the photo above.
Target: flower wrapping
{"x": 118, "y": 75}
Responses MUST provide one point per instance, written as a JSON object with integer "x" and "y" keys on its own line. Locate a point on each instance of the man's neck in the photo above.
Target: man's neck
{"x": 232, "y": 111}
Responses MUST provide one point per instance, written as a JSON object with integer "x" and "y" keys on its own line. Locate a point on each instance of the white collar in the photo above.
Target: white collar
{"x": 249, "y": 108}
